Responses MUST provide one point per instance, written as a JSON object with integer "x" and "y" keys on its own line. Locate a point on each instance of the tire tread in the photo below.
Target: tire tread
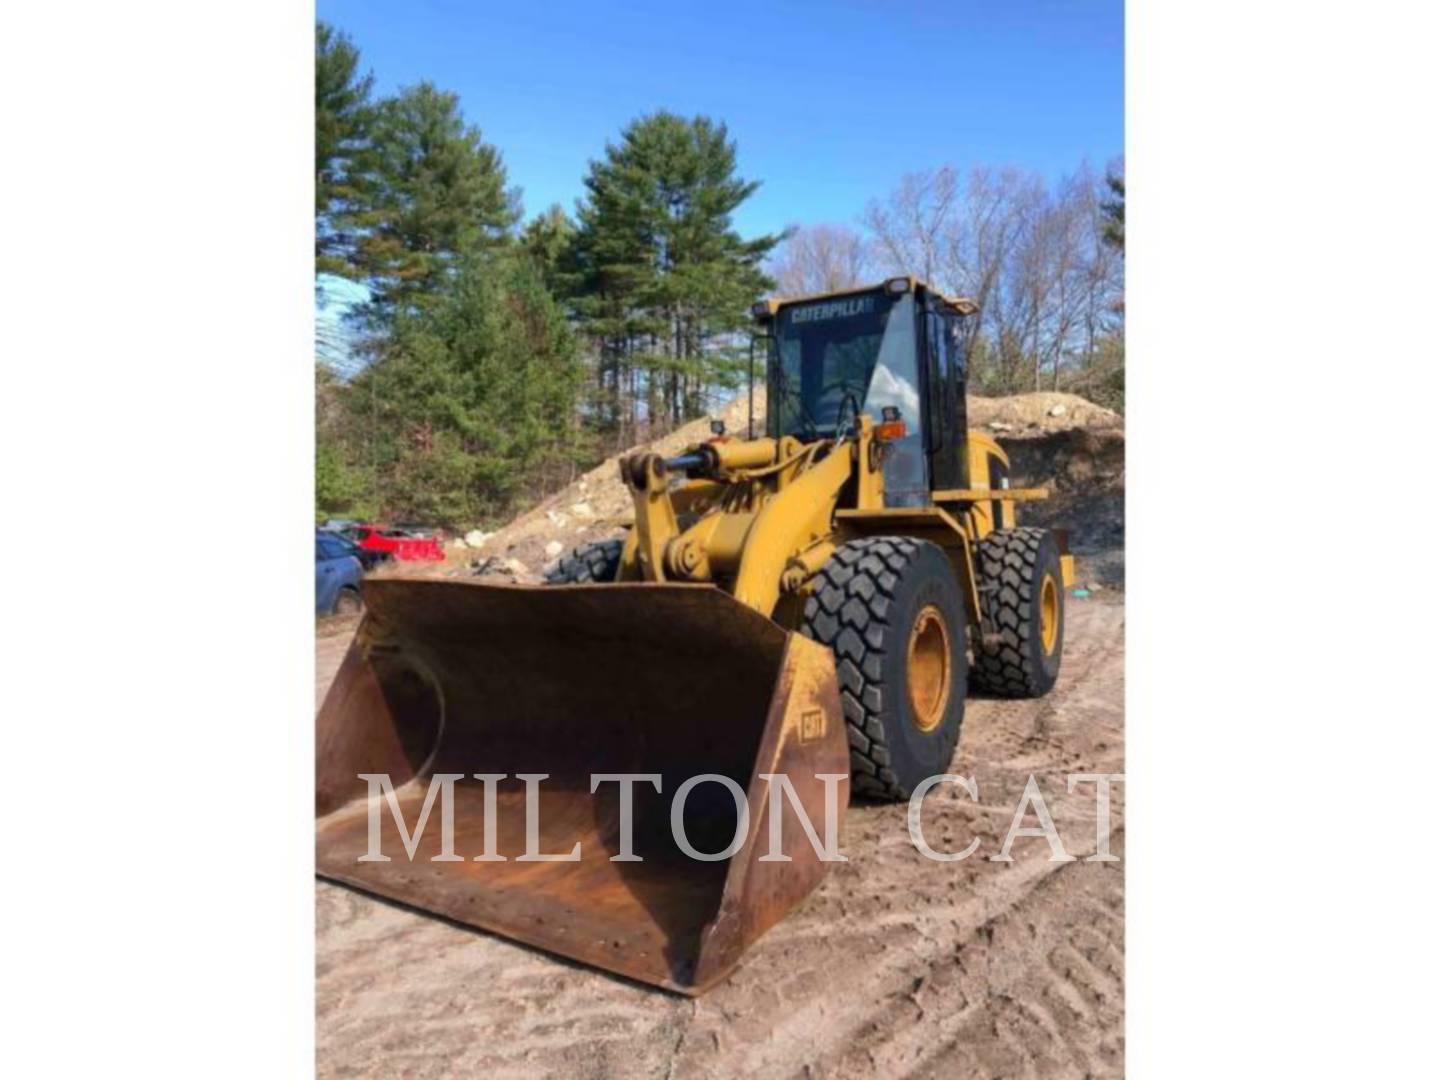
{"x": 1006, "y": 561}
{"x": 594, "y": 562}
{"x": 847, "y": 611}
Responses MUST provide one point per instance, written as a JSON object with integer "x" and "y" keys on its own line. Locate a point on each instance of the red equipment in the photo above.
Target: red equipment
{"x": 398, "y": 544}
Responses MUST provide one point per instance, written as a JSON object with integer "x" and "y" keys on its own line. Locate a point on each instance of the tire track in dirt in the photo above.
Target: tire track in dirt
{"x": 896, "y": 966}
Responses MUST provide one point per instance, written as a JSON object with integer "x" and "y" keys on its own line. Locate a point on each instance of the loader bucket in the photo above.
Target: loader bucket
{"x": 457, "y": 678}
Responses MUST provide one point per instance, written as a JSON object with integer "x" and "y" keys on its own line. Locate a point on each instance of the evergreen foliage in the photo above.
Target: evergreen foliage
{"x": 660, "y": 280}
{"x": 433, "y": 194}
{"x": 342, "y": 130}
{"x": 469, "y": 406}
{"x": 1114, "y": 211}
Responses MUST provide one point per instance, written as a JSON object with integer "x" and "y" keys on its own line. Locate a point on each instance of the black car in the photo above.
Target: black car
{"x": 368, "y": 559}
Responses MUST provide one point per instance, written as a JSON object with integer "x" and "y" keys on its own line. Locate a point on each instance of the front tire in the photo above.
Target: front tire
{"x": 1023, "y": 596}
{"x": 890, "y": 609}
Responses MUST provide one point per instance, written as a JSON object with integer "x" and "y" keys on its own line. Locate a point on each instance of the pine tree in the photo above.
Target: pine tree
{"x": 435, "y": 196}
{"x": 342, "y": 128}
{"x": 470, "y": 405}
{"x": 547, "y": 241}
{"x": 343, "y": 486}
{"x": 662, "y": 277}
{"x": 1114, "y": 211}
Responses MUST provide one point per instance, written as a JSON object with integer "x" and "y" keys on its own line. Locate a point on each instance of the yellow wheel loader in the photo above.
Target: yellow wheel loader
{"x": 791, "y": 614}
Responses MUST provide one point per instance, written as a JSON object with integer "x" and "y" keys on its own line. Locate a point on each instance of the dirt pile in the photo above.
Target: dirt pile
{"x": 596, "y": 506}
{"x": 1079, "y": 457}
{"x": 1040, "y": 412}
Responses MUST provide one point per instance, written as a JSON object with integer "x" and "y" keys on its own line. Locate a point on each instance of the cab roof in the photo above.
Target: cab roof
{"x": 770, "y": 305}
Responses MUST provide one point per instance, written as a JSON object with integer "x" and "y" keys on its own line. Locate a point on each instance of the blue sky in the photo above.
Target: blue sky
{"x": 830, "y": 103}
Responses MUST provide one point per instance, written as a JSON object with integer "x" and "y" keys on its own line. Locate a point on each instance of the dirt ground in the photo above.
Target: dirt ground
{"x": 896, "y": 965}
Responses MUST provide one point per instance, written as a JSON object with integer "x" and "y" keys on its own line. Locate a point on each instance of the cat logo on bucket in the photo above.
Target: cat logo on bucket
{"x": 812, "y": 725}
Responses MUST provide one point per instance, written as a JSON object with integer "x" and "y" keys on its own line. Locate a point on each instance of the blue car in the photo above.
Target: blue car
{"x": 337, "y": 577}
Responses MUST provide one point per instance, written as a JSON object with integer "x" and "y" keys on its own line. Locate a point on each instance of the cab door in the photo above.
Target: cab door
{"x": 944, "y": 398}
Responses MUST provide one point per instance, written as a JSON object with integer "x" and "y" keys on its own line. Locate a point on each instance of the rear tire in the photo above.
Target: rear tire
{"x": 1023, "y": 597}
{"x": 596, "y": 562}
{"x": 890, "y": 609}
{"x": 349, "y": 603}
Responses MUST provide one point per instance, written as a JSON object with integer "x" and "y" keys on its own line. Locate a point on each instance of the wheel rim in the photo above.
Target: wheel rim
{"x": 928, "y": 669}
{"x": 1049, "y": 614}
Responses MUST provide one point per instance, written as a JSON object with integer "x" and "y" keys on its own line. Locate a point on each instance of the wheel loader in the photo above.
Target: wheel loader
{"x": 794, "y": 614}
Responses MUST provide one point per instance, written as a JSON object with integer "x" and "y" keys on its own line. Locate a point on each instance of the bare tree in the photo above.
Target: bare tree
{"x": 913, "y": 223}
{"x": 819, "y": 258}
{"x": 993, "y": 245}
{"x": 1030, "y": 254}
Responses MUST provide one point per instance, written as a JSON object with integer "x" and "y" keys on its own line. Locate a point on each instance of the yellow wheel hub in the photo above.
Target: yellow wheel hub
{"x": 1049, "y": 614}
{"x": 927, "y": 668}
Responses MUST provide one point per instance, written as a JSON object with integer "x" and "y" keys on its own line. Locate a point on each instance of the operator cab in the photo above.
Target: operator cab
{"x": 893, "y": 351}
